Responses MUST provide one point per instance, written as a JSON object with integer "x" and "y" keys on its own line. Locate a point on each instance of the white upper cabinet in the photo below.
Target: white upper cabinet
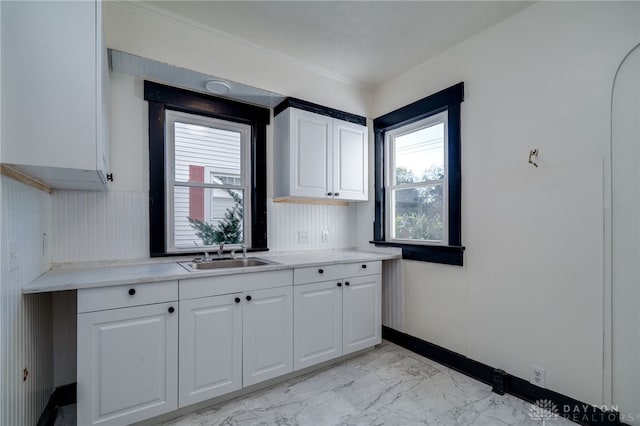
{"x": 350, "y": 161}
{"x": 55, "y": 85}
{"x": 319, "y": 157}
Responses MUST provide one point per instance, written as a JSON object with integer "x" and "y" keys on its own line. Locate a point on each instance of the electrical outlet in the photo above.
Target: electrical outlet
{"x": 12, "y": 254}
{"x": 325, "y": 235}
{"x": 536, "y": 375}
{"x": 303, "y": 237}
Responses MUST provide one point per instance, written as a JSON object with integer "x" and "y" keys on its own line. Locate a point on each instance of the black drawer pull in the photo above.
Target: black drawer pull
{"x": 364, "y": 266}
{"x": 337, "y": 194}
{"x": 132, "y": 291}
{"x": 237, "y": 300}
{"x": 171, "y": 309}
{"x": 329, "y": 194}
{"x": 321, "y": 271}
{"x": 248, "y": 298}
{"x": 339, "y": 284}
{"x": 347, "y": 283}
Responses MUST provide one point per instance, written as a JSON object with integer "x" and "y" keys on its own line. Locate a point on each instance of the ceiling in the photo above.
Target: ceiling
{"x": 365, "y": 42}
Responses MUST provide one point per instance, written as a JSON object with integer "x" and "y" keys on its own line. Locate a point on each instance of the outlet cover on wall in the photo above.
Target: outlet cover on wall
{"x": 325, "y": 236}
{"x": 536, "y": 375}
{"x": 303, "y": 237}
{"x": 12, "y": 256}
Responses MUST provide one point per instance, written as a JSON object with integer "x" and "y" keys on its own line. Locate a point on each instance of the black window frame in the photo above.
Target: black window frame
{"x": 162, "y": 98}
{"x": 448, "y": 100}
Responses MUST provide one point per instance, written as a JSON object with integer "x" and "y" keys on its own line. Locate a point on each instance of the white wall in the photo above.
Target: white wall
{"x": 626, "y": 237}
{"x": 157, "y": 35}
{"x": 532, "y": 286}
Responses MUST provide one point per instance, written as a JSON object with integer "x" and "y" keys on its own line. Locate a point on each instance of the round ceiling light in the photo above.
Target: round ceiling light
{"x": 218, "y": 87}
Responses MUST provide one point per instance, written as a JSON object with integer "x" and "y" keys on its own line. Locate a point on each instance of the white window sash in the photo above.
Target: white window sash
{"x": 170, "y": 183}
{"x": 389, "y": 177}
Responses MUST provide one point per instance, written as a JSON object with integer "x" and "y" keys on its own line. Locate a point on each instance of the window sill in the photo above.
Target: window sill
{"x": 449, "y": 255}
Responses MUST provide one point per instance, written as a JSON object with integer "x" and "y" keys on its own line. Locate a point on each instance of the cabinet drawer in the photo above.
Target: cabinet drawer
{"x": 314, "y": 274}
{"x": 122, "y": 296}
{"x": 362, "y": 268}
{"x": 192, "y": 288}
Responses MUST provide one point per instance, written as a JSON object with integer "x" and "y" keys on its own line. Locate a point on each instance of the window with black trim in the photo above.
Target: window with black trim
{"x": 207, "y": 170}
{"x": 418, "y": 178}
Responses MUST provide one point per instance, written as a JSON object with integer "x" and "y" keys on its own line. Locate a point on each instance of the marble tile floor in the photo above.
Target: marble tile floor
{"x": 388, "y": 386}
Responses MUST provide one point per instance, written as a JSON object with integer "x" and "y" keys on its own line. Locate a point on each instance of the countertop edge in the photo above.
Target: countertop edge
{"x": 66, "y": 279}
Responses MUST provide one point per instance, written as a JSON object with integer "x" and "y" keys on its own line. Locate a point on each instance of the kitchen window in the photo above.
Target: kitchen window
{"x": 207, "y": 181}
{"x": 417, "y": 180}
{"x": 207, "y": 172}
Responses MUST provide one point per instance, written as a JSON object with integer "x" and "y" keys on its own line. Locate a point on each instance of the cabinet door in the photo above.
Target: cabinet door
{"x": 267, "y": 334}
{"x": 361, "y": 309}
{"x": 210, "y": 347}
{"x": 103, "y": 101}
{"x": 350, "y": 161}
{"x": 311, "y": 153}
{"x": 58, "y": 146}
{"x": 317, "y": 325}
{"x": 127, "y": 364}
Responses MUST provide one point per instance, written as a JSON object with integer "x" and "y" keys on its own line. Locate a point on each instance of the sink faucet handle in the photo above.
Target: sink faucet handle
{"x": 244, "y": 251}
{"x": 206, "y": 256}
{"x": 233, "y": 253}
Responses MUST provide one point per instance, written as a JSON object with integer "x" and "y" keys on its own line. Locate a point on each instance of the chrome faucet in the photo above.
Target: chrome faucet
{"x": 233, "y": 253}
{"x": 206, "y": 257}
{"x": 221, "y": 250}
{"x": 244, "y": 251}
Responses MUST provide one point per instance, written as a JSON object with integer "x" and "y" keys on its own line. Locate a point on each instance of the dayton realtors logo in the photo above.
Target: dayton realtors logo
{"x": 543, "y": 410}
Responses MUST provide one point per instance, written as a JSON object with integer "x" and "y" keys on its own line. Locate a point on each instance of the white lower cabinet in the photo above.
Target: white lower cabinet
{"x": 317, "y": 323}
{"x": 210, "y": 347}
{"x": 127, "y": 364}
{"x": 143, "y": 351}
{"x": 338, "y": 317}
{"x": 361, "y": 313}
{"x": 232, "y": 341}
{"x": 267, "y": 334}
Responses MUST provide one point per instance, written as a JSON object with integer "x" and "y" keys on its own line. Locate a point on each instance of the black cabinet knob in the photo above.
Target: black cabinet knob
{"x": 171, "y": 309}
{"x": 346, "y": 283}
{"x": 132, "y": 291}
{"x": 328, "y": 194}
{"x": 237, "y": 300}
{"x": 321, "y": 271}
{"x": 339, "y": 284}
{"x": 364, "y": 266}
{"x": 248, "y": 298}
{"x": 337, "y": 194}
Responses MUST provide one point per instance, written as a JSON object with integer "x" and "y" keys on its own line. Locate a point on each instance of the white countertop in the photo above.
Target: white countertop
{"x": 78, "y": 277}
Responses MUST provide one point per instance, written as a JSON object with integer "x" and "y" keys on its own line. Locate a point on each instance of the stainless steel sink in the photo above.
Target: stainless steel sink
{"x": 226, "y": 263}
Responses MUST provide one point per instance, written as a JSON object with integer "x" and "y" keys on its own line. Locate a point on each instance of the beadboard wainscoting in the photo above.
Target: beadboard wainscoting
{"x": 286, "y": 220}
{"x": 26, "y": 330}
{"x": 392, "y": 295}
{"x": 96, "y": 226}
{"x": 114, "y": 225}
